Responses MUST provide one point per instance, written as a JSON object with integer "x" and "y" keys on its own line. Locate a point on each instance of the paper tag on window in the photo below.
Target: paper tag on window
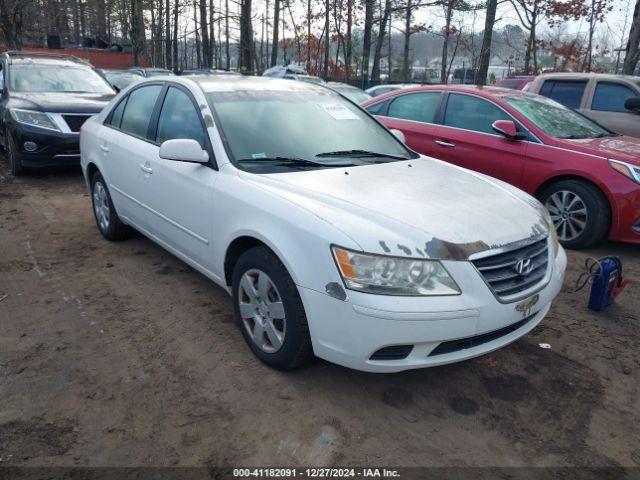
{"x": 339, "y": 112}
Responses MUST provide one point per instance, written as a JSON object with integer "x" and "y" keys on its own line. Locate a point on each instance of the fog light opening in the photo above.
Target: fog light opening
{"x": 30, "y": 146}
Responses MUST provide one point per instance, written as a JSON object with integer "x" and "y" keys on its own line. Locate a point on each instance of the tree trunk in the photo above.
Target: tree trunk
{"x": 444, "y": 72}
{"x": 212, "y": 35}
{"x": 167, "y": 35}
{"x": 226, "y": 35}
{"x": 327, "y": 39}
{"x": 246, "y": 37}
{"x": 204, "y": 35}
{"x": 406, "y": 69}
{"x": 276, "y": 31}
{"x": 348, "y": 47}
{"x": 485, "y": 52}
{"x": 175, "y": 35}
{"x": 366, "y": 41}
{"x": 633, "y": 44}
{"x": 375, "y": 71}
{"x": 197, "y": 29}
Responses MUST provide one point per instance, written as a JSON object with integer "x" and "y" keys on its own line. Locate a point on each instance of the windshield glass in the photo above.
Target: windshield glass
{"x": 354, "y": 94}
{"x": 262, "y": 125}
{"x": 122, "y": 79}
{"x": 38, "y": 78}
{"x": 555, "y": 119}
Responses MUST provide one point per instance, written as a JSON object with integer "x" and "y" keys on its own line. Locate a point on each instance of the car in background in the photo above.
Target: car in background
{"x": 464, "y": 76}
{"x": 45, "y": 100}
{"x": 516, "y": 82}
{"x": 587, "y": 176}
{"x": 342, "y": 243}
{"x": 386, "y": 88}
{"x": 151, "y": 72}
{"x": 120, "y": 79}
{"x": 208, "y": 71}
{"x": 354, "y": 94}
{"x": 611, "y": 100}
{"x": 292, "y": 72}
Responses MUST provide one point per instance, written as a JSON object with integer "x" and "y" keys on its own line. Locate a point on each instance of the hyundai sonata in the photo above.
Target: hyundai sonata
{"x": 332, "y": 237}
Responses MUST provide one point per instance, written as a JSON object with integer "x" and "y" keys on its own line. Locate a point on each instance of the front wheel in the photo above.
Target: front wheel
{"x": 579, "y": 211}
{"x": 15, "y": 164}
{"x": 269, "y": 311}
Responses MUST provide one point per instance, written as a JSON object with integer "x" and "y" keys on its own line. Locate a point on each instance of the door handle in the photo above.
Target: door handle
{"x": 146, "y": 169}
{"x": 104, "y": 148}
{"x": 442, "y": 143}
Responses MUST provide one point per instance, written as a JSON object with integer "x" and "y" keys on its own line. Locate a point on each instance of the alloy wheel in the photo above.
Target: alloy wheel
{"x": 568, "y": 213}
{"x": 101, "y": 206}
{"x": 262, "y": 310}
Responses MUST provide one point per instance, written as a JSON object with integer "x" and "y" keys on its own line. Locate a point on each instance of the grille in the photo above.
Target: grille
{"x": 499, "y": 271}
{"x": 393, "y": 352}
{"x": 75, "y": 121}
{"x": 470, "y": 342}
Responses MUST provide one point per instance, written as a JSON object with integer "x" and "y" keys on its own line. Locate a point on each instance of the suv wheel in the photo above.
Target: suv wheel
{"x": 269, "y": 312}
{"x": 579, "y": 211}
{"x": 107, "y": 219}
{"x": 15, "y": 165}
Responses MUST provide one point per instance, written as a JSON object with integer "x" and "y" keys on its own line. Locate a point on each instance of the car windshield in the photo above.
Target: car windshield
{"x": 554, "y": 119}
{"x": 122, "y": 79}
{"x": 158, "y": 73}
{"x": 313, "y": 126}
{"x": 38, "y": 78}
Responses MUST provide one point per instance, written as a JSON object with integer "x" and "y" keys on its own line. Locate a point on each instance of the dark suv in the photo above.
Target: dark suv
{"x": 45, "y": 100}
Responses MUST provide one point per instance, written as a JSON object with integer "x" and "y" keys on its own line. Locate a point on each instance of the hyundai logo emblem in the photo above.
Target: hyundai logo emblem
{"x": 523, "y": 267}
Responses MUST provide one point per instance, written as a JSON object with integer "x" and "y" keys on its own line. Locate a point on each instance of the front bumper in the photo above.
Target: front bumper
{"x": 53, "y": 148}
{"x": 350, "y": 332}
{"x": 626, "y": 225}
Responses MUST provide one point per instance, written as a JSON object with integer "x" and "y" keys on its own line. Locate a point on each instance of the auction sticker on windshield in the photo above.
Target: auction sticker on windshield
{"x": 339, "y": 112}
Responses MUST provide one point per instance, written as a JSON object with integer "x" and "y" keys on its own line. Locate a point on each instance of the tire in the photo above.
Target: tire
{"x": 261, "y": 266}
{"x": 15, "y": 164}
{"x": 112, "y": 229}
{"x": 581, "y": 203}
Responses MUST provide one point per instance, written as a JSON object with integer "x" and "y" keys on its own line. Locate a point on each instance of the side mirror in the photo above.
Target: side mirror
{"x": 398, "y": 134}
{"x": 183, "y": 150}
{"x": 507, "y": 128}
{"x": 633, "y": 104}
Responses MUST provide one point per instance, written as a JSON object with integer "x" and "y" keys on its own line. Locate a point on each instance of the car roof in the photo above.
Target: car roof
{"x": 226, "y": 83}
{"x": 31, "y": 58}
{"x": 480, "y": 90}
{"x": 587, "y": 75}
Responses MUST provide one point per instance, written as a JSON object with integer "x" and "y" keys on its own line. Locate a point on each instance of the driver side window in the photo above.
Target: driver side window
{"x": 179, "y": 119}
{"x": 472, "y": 113}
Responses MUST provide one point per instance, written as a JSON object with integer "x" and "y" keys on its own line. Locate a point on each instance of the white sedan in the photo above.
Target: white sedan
{"x": 332, "y": 237}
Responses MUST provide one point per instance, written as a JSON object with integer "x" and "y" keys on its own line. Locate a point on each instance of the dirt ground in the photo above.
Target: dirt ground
{"x": 118, "y": 354}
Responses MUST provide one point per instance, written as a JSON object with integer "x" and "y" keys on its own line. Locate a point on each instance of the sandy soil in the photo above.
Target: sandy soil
{"x": 118, "y": 354}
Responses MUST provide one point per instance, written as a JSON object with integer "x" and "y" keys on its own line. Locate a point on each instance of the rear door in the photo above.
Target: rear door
{"x": 467, "y": 139}
{"x": 414, "y": 115}
{"x": 607, "y": 107}
{"x": 181, "y": 193}
{"x": 126, "y": 149}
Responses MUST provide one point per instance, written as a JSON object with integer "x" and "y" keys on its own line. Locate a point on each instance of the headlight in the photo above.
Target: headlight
{"x": 384, "y": 275}
{"x": 630, "y": 171}
{"x": 37, "y": 119}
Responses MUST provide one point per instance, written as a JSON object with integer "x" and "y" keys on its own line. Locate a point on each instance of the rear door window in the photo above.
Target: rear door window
{"x": 472, "y": 113}
{"x": 567, "y": 92}
{"x": 419, "y": 107}
{"x": 139, "y": 109}
{"x": 116, "y": 116}
{"x": 610, "y": 97}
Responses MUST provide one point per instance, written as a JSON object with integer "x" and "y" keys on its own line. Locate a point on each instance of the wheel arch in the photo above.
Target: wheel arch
{"x": 237, "y": 248}
{"x": 597, "y": 185}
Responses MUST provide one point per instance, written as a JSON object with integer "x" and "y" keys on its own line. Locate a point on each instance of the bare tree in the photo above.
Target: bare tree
{"x": 485, "y": 51}
{"x": 632, "y": 55}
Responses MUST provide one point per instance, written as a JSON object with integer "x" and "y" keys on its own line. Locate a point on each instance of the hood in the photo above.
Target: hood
{"x": 61, "y": 102}
{"x": 417, "y": 208}
{"x": 622, "y": 147}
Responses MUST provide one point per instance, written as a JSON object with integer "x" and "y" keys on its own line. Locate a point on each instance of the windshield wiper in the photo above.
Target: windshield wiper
{"x": 360, "y": 154}
{"x": 294, "y": 161}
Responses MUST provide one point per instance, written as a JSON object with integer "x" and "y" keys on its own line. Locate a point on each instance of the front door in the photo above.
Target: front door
{"x": 181, "y": 193}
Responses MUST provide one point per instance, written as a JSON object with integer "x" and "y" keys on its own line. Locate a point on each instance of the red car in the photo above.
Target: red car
{"x": 515, "y": 83}
{"x": 587, "y": 176}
